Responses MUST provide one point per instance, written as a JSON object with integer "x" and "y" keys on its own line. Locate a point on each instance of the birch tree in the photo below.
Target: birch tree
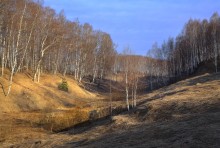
{"x": 126, "y": 70}
{"x": 46, "y": 40}
{"x": 15, "y": 37}
{"x": 215, "y": 21}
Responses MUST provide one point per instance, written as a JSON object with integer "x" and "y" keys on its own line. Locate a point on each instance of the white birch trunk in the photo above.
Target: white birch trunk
{"x": 126, "y": 89}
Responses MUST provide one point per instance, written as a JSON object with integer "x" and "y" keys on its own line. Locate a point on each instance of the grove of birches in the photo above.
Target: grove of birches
{"x": 36, "y": 39}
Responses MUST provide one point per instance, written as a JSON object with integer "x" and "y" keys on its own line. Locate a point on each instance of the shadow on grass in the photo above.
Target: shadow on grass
{"x": 89, "y": 125}
{"x": 160, "y": 96}
{"x": 200, "y": 79}
{"x": 193, "y": 130}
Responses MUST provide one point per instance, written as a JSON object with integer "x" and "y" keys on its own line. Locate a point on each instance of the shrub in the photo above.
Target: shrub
{"x": 63, "y": 86}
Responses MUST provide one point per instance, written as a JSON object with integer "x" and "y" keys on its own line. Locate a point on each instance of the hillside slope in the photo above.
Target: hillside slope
{"x": 185, "y": 114}
{"x": 29, "y": 96}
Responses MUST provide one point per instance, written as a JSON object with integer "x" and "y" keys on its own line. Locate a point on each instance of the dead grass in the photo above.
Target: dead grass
{"x": 185, "y": 114}
{"x": 29, "y": 96}
{"x": 41, "y": 107}
{"x": 195, "y": 95}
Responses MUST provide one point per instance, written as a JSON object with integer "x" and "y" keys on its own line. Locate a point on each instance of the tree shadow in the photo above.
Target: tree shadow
{"x": 88, "y": 126}
{"x": 190, "y": 130}
{"x": 160, "y": 96}
{"x": 3, "y": 89}
{"x": 194, "y": 80}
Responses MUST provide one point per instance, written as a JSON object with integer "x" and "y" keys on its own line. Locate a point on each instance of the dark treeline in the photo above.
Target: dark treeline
{"x": 34, "y": 38}
{"x": 198, "y": 44}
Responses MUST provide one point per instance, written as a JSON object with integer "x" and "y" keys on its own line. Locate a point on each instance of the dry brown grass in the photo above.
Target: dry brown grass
{"x": 185, "y": 114}
{"x": 42, "y": 107}
{"x": 195, "y": 95}
{"x": 29, "y": 96}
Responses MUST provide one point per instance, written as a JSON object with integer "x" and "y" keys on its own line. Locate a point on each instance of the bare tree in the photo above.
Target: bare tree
{"x": 126, "y": 70}
{"x": 35, "y": 38}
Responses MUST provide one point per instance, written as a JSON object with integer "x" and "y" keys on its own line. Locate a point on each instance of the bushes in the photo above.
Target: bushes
{"x": 63, "y": 86}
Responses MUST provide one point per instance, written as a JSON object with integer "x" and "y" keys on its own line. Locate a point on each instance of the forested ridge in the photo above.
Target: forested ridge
{"x": 197, "y": 45}
{"x": 35, "y": 38}
{"x": 64, "y": 83}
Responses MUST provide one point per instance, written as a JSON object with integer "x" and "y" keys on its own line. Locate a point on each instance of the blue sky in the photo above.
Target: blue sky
{"x": 136, "y": 23}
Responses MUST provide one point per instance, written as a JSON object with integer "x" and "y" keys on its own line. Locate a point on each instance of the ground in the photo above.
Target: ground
{"x": 184, "y": 114}
{"x": 29, "y": 96}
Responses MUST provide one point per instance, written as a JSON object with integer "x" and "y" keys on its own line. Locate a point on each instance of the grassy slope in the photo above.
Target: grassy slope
{"x": 41, "y": 105}
{"x": 185, "y": 114}
{"x": 29, "y": 96}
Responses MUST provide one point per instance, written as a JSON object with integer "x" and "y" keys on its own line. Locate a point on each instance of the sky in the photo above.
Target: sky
{"x": 136, "y": 24}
